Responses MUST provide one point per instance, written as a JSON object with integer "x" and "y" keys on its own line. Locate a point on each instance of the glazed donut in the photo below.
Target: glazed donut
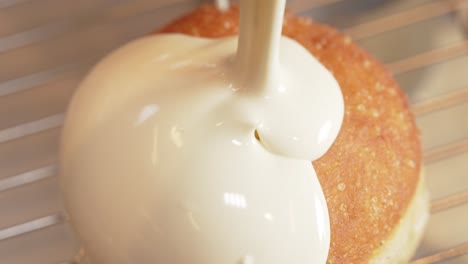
{"x": 371, "y": 176}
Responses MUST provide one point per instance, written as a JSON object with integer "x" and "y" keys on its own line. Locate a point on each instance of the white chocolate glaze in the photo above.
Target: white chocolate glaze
{"x": 159, "y": 159}
{"x": 222, "y": 5}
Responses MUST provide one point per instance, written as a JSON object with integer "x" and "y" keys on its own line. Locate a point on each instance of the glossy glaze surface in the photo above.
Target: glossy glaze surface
{"x": 160, "y": 163}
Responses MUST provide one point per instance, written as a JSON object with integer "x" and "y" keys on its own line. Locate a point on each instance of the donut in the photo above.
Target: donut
{"x": 371, "y": 176}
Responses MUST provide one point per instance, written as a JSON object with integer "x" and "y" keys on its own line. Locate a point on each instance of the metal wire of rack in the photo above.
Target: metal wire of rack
{"x": 46, "y": 46}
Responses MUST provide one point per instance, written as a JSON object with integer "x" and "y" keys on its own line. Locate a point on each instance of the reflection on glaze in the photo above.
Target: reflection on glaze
{"x": 235, "y": 200}
{"x": 160, "y": 162}
{"x": 146, "y": 113}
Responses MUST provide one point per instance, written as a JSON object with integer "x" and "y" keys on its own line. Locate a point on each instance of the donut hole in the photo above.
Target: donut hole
{"x": 259, "y": 140}
{"x": 257, "y": 136}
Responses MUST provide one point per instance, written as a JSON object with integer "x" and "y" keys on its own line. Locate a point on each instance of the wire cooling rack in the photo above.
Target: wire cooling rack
{"x": 46, "y": 46}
